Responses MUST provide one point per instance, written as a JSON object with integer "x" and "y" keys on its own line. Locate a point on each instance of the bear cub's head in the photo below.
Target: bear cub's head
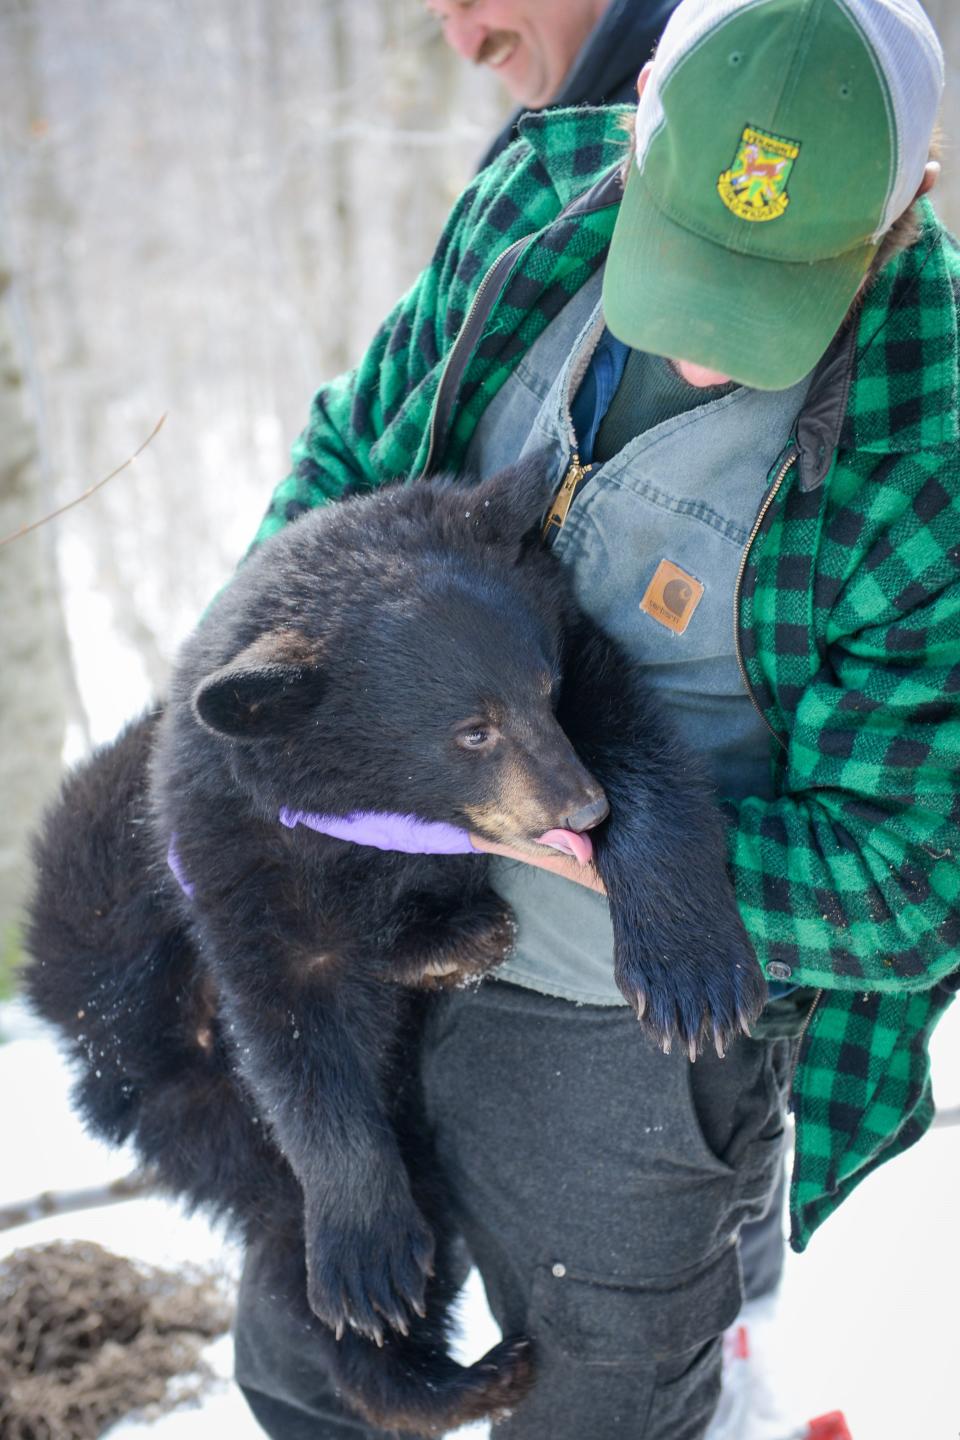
{"x": 401, "y": 652}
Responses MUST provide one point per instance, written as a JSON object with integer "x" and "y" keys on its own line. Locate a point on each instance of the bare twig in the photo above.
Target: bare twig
{"x": 62, "y": 1202}
{"x": 91, "y": 490}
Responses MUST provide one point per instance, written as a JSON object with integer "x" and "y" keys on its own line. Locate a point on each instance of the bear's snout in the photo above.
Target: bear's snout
{"x": 587, "y": 816}
{"x": 542, "y": 786}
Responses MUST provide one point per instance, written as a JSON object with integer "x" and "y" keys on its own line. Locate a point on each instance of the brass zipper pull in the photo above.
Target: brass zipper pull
{"x": 563, "y": 499}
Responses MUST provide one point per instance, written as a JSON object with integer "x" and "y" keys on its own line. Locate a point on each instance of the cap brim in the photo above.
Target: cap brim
{"x": 765, "y": 323}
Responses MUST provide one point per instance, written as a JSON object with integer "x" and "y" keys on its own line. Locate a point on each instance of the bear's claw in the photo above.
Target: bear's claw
{"x": 711, "y": 1001}
{"x": 368, "y": 1280}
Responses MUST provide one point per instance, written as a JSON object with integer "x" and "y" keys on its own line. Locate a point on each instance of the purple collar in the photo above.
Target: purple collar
{"x": 406, "y": 833}
{"x": 386, "y": 831}
{"x": 379, "y": 828}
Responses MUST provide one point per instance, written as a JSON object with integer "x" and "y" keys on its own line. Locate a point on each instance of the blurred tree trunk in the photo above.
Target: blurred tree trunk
{"x": 33, "y": 650}
{"x": 211, "y": 208}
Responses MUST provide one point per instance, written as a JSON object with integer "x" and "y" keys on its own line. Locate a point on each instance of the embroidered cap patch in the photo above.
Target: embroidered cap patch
{"x": 672, "y": 596}
{"x": 755, "y": 186}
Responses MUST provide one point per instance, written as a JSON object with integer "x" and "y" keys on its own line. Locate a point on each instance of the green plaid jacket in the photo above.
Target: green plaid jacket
{"x": 849, "y": 618}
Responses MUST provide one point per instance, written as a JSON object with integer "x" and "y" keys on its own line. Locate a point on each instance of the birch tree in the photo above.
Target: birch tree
{"x": 211, "y": 208}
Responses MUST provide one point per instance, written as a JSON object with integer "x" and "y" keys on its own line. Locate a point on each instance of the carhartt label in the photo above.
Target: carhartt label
{"x": 672, "y": 596}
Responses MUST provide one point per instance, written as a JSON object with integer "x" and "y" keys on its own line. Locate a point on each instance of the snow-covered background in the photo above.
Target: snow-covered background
{"x": 867, "y": 1321}
{"x": 205, "y": 210}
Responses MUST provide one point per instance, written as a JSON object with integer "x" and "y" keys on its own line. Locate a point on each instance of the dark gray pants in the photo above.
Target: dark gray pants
{"x": 601, "y": 1187}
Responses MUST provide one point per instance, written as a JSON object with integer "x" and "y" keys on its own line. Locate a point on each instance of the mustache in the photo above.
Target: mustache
{"x": 493, "y": 44}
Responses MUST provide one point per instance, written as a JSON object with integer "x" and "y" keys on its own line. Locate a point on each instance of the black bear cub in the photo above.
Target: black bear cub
{"x": 417, "y": 652}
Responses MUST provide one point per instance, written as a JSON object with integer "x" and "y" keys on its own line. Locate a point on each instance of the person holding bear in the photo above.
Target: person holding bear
{"x": 733, "y": 338}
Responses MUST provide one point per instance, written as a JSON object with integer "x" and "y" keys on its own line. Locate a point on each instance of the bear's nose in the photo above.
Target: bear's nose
{"x": 588, "y": 815}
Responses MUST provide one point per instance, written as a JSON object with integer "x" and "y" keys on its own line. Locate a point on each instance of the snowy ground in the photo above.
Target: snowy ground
{"x": 867, "y": 1321}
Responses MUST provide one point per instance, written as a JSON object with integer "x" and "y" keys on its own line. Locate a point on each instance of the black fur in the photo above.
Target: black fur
{"x": 417, "y": 651}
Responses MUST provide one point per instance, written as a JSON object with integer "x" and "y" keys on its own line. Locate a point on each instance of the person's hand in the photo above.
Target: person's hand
{"x": 546, "y": 859}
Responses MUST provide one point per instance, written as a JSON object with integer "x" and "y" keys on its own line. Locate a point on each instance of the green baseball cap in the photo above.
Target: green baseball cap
{"x": 776, "y": 142}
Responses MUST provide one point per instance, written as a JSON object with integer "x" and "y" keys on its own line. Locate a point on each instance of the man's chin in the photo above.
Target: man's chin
{"x": 525, "y": 81}
{"x": 699, "y": 376}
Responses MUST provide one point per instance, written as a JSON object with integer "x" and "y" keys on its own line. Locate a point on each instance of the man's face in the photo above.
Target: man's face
{"x": 531, "y": 44}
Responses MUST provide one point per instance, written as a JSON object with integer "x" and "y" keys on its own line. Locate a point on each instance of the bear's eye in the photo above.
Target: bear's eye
{"x": 478, "y": 737}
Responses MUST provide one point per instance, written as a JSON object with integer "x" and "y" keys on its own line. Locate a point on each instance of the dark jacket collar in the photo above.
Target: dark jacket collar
{"x": 605, "y": 72}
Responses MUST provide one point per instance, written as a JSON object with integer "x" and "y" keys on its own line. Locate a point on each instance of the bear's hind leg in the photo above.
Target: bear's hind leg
{"x": 412, "y": 1384}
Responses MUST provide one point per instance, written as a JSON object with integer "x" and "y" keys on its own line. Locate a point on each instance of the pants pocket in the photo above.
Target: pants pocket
{"x": 597, "y": 1322}
{"x": 737, "y": 1105}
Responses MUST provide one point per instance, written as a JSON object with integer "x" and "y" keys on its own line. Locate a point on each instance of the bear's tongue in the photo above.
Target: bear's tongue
{"x": 572, "y": 842}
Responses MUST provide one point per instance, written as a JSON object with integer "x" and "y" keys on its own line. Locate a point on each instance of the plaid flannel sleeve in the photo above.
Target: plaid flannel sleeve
{"x": 850, "y": 875}
{"x": 371, "y": 425}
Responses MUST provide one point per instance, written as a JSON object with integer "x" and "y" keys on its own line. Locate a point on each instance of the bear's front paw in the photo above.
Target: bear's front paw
{"x": 707, "y": 991}
{"x": 466, "y": 947}
{"x": 366, "y": 1278}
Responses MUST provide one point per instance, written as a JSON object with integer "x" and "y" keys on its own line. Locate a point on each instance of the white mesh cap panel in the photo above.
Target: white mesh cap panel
{"x": 908, "y": 52}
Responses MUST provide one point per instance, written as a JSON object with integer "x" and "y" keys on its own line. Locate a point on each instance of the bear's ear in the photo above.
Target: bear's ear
{"x": 510, "y": 506}
{"x": 263, "y": 692}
